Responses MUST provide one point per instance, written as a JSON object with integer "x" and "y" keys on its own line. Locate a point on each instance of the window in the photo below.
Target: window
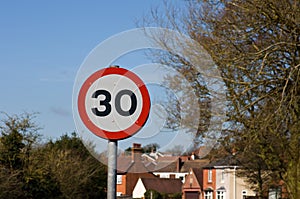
{"x": 220, "y": 195}
{"x": 209, "y": 177}
{"x": 223, "y": 176}
{"x": 208, "y": 195}
{"x": 119, "y": 193}
{"x": 275, "y": 193}
{"x": 119, "y": 179}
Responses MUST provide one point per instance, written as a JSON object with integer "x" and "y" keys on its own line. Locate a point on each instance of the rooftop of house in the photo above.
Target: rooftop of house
{"x": 229, "y": 161}
{"x": 166, "y": 164}
{"x": 162, "y": 185}
{"x": 198, "y": 173}
{"x": 201, "y": 152}
{"x": 198, "y": 176}
{"x": 187, "y": 165}
{"x": 133, "y": 163}
{"x": 137, "y": 162}
{"x": 123, "y": 164}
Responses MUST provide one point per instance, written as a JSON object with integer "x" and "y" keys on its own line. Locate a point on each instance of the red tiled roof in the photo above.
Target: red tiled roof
{"x": 162, "y": 164}
{"x": 187, "y": 165}
{"x": 137, "y": 167}
{"x": 165, "y": 167}
{"x": 163, "y": 185}
{"x": 166, "y": 164}
{"x": 199, "y": 174}
{"x": 202, "y": 151}
{"x": 123, "y": 164}
{"x": 228, "y": 161}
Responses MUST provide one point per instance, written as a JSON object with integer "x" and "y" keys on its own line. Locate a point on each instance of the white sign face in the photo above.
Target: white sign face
{"x": 114, "y": 103}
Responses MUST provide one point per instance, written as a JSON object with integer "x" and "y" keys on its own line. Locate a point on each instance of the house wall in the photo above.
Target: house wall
{"x": 241, "y": 186}
{"x": 177, "y": 175}
{"x": 129, "y": 180}
{"x": 191, "y": 184}
{"x": 233, "y": 184}
{"x": 223, "y": 180}
{"x": 232, "y": 187}
{"x": 121, "y": 187}
{"x": 207, "y": 184}
{"x": 139, "y": 190}
{"x": 132, "y": 178}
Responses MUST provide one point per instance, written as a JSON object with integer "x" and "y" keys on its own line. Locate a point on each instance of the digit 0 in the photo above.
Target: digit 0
{"x": 118, "y": 102}
{"x": 107, "y": 105}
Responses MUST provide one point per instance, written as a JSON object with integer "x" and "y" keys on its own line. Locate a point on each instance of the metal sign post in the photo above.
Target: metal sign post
{"x": 114, "y": 104}
{"x": 112, "y": 169}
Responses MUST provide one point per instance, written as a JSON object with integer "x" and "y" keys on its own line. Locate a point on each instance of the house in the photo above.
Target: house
{"x": 192, "y": 187}
{"x": 209, "y": 182}
{"x": 169, "y": 167}
{"x": 217, "y": 180}
{"x": 176, "y": 167}
{"x": 161, "y": 185}
{"x": 137, "y": 165}
{"x": 129, "y": 170}
{"x": 220, "y": 180}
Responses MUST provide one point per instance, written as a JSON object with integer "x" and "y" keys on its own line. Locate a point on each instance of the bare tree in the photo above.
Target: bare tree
{"x": 256, "y": 47}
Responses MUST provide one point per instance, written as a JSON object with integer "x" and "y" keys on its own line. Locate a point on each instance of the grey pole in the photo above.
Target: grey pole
{"x": 112, "y": 165}
{"x": 112, "y": 169}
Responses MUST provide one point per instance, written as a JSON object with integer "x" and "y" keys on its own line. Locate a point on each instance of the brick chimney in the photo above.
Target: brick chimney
{"x": 178, "y": 164}
{"x": 136, "y": 152}
{"x": 193, "y": 156}
{"x": 114, "y": 66}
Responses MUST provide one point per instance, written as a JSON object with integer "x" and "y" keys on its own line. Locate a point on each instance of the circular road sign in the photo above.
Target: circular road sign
{"x": 113, "y": 103}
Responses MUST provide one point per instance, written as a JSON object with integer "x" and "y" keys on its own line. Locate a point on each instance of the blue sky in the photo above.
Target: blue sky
{"x": 42, "y": 45}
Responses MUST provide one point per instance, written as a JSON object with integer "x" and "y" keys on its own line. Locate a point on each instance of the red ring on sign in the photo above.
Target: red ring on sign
{"x": 135, "y": 127}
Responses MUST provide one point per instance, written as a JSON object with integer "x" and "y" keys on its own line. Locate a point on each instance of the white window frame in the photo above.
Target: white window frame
{"x": 223, "y": 176}
{"x": 119, "y": 179}
{"x": 119, "y": 193}
{"x": 221, "y": 195}
{"x": 209, "y": 175}
{"x": 275, "y": 193}
{"x": 208, "y": 194}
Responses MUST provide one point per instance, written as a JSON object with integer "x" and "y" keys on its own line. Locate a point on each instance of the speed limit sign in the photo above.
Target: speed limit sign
{"x": 113, "y": 103}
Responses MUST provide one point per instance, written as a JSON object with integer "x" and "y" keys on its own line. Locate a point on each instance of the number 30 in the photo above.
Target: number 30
{"x": 107, "y": 100}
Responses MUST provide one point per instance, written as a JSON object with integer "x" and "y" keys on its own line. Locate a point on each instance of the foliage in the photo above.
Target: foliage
{"x": 152, "y": 194}
{"x": 172, "y": 196}
{"x": 72, "y": 164}
{"x": 256, "y": 47}
{"x": 152, "y": 147}
{"x": 176, "y": 150}
{"x": 18, "y": 134}
{"x": 10, "y": 184}
{"x": 57, "y": 169}
{"x": 156, "y": 195}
